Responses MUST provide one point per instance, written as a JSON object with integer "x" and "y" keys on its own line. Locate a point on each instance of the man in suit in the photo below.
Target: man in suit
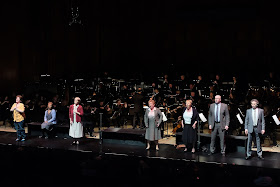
{"x": 254, "y": 123}
{"x": 138, "y": 100}
{"x": 218, "y": 120}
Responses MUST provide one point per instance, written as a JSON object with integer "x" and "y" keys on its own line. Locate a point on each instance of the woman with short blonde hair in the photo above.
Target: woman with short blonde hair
{"x": 152, "y": 119}
{"x": 189, "y": 124}
{"x": 75, "y": 114}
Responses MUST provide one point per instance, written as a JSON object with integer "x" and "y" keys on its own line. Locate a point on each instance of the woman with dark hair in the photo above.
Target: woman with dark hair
{"x": 75, "y": 114}
{"x": 19, "y": 115}
{"x": 189, "y": 124}
{"x": 49, "y": 121}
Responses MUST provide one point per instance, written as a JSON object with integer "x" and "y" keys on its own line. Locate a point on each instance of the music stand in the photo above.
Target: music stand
{"x": 202, "y": 119}
{"x": 164, "y": 119}
{"x": 276, "y": 120}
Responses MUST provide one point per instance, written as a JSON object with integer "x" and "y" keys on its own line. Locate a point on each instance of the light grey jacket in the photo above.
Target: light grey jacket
{"x": 249, "y": 120}
{"x": 158, "y": 117}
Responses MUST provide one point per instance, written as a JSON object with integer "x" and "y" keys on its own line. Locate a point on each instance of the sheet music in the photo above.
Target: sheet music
{"x": 164, "y": 118}
{"x": 239, "y": 119}
{"x": 202, "y": 117}
{"x": 276, "y": 119}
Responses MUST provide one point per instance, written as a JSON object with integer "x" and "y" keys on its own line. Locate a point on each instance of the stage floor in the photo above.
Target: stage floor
{"x": 272, "y": 160}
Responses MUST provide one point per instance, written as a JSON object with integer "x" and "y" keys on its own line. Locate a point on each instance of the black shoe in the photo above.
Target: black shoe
{"x": 260, "y": 157}
{"x": 248, "y": 157}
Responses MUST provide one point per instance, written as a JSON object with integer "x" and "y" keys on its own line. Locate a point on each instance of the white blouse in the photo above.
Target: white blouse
{"x": 188, "y": 116}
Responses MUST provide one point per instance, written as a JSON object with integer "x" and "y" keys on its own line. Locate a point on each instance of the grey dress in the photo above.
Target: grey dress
{"x": 152, "y": 131}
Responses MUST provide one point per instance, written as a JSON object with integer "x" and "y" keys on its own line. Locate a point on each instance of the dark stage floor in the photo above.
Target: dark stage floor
{"x": 90, "y": 152}
{"x": 272, "y": 160}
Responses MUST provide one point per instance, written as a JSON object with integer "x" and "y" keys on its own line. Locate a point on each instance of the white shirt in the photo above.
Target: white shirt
{"x": 219, "y": 108}
{"x": 152, "y": 112}
{"x": 257, "y": 116}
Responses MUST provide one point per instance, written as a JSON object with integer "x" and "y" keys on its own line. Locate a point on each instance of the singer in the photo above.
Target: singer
{"x": 152, "y": 120}
{"x": 18, "y": 115}
{"x": 75, "y": 114}
{"x": 254, "y": 123}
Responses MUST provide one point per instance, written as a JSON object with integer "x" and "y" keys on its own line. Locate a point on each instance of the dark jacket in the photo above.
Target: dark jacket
{"x": 194, "y": 116}
{"x": 137, "y": 100}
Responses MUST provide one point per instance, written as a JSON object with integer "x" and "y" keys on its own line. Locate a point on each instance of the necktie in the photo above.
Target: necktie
{"x": 217, "y": 111}
{"x": 255, "y": 117}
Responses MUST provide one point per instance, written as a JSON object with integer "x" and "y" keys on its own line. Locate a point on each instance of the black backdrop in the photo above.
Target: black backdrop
{"x": 144, "y": 36}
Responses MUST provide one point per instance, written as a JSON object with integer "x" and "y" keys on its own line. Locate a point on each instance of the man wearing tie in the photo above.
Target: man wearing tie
{"x": 218, "y": 120}
{"x": 254, "y": 123}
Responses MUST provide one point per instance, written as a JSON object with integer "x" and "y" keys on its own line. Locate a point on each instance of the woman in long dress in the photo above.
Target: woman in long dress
{"x": 152, "y": 119}
{"x": 75, "y": 114}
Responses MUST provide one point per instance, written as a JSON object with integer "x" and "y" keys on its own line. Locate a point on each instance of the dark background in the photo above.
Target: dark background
{"x": 136, "y": 36}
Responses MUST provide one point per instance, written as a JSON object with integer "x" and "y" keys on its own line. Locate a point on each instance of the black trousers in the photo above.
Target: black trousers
{"x": 137, "y": 115}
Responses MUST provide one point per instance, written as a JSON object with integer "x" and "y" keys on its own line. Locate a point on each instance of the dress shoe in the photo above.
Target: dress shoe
{"x": 248, "y": 157}
{"x": 260, "y": 157}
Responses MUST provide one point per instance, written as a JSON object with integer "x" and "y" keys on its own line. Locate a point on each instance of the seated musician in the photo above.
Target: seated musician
{"x": 88, "y": 120}
{"x": 171, "y": 90}
{"x": 157, "y": 97}
{"x": 49, "y": 121}
{"x": 200, "y": 84}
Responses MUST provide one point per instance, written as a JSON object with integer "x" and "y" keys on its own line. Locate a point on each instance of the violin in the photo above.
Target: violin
{"x": 179, "y": 125}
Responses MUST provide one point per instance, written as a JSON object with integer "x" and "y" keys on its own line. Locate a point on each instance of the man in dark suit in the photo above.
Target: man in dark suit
{"x": 254, "y": 123}
{"x": 218, "y": 120}
{"x": 138, "y": 100}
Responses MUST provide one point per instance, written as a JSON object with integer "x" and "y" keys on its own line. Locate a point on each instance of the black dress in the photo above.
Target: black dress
{"x": 189, "y": 135}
